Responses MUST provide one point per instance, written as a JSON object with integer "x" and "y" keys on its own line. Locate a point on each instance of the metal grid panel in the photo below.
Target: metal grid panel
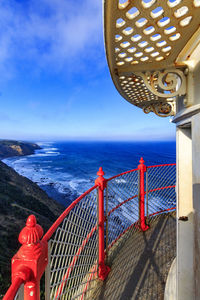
{"x": 161, "y": 189}
{"x": 122, "y": 201}
{"x": 73, "y": 252}
{"x": 72, "y": 269}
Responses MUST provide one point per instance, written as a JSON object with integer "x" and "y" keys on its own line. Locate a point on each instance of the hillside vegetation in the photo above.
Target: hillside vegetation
{"x": 19, "y": 197}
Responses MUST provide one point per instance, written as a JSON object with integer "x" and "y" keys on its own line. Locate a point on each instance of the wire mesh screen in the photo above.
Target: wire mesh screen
{"x": 161, "y": 196}
{"x": 73, "y": 248}
{"x": 122, "y": 204}
{"x": 73, "y": 251}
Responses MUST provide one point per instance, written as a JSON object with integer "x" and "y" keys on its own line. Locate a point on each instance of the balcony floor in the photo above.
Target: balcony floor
{"x": 139, "y": 269}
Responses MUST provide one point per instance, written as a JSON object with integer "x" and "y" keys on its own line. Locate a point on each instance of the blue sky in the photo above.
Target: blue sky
{"x": 55, "y": 83}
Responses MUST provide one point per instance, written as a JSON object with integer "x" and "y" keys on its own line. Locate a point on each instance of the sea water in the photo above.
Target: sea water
{"x": 67, "y": 169}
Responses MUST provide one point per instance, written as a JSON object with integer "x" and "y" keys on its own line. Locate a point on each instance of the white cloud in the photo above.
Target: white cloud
{"x": 50, "y": 33}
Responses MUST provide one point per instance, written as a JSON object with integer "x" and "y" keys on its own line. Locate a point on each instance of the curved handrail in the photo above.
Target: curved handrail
{"x": 135, "y": 196}
{"x": 55, "y": 225}
{"x": 136, "y": 223}
{"x": 53, "y": 228}
{"x": 163, "y": 165}
{"x": 121, "y": 194}
{"x": 120, "y": 204}
{"x": 124, "y": 173}
{"x": 162, "y": 211}
{"x": 161, "y": 188}
{"x": 13, "y": 289}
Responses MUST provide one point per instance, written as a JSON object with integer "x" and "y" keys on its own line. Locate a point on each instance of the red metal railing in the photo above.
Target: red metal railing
{"x": 80, "y": 242}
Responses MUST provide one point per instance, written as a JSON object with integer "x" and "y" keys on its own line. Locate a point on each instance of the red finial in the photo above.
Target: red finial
{"x": 142, "y": 166}
{"x": 101, "y": 181}
{"x": 29, "y": 263}
{"x": 141, "y": 160}
{"x": 31, "y": 221}
{"x": 31, "y": 233}
{"x": 100, "y": 172}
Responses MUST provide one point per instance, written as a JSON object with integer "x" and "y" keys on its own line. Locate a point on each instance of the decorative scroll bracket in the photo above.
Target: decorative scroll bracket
{"x": 161, "y": 109}
{"x": 166, "y": 85}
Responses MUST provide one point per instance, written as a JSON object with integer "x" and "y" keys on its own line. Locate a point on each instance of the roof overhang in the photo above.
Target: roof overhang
{"x": 150, "y": 45}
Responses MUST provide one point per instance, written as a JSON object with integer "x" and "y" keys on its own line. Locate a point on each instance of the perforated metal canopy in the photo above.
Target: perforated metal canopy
{"x": 144, "y": 40}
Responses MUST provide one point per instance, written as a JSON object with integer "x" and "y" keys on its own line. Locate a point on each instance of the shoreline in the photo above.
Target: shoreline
{"x": 52, "y": 187}
{"x": 61, "y": 172}
{"x": 12, "y": 148}
{"x": 19, "y": 198}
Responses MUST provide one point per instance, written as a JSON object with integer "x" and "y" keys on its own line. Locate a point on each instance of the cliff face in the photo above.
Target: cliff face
{"x": 19, "y": 197}
{"x": 10, "y": 148}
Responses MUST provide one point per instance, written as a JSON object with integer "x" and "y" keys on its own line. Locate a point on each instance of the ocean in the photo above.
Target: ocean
{"x": 67, "y": 169}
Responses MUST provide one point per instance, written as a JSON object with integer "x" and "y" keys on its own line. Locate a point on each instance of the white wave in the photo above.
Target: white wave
{"x": 62, "y": 189}
{"x": 53, "y": 149}
{"x": 79, "y": 185}
{"x": 44, "y": 144}
{"x": 120, "y": 180}
{"x": 39, "y": 154}
{"x": 44, "y": 172}
{"x": 49, "y": 149}
{"x": 52, "y": 152}
{"x": 44, "y": 154}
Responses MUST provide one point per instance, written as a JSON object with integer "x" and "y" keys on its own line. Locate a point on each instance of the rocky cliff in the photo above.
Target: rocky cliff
{"x": 19, "y": 197}
{"x": 10, "y": 148}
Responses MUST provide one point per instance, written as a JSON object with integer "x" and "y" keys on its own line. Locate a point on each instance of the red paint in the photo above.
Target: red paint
{"x": 118, "y": 175}
{"x": 101, "y": 182}
{"x": 93, "y": 273}
{"x": 127, "y": 200}
{"x": 55, "y": 225}
{"x": 162, "y": 211}
{"x": 142, "y": 169}
{"x": 164, "y": 165}
{"x": 162, "y": 188}
{"x": 136, "y": 225}
{"x": 13, "y": 289}
{"x": 29, "y": 263}
{"x": 72, "y": 264}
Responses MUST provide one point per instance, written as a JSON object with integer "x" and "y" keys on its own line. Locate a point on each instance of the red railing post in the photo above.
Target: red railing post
{"x": 29, "y": 263}
{"x": 101, "y": 182}
{"x": 142, "y": 169}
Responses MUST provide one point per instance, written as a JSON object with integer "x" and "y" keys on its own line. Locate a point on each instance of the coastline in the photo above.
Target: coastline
{"x": 20, "y": 197}
{"x": 10, "y": 148}
{"x": 65, "y": 170}
{"x": 54, "y": 187}
{"x": 40, "y": 167}
{"x": 62, "y": 171}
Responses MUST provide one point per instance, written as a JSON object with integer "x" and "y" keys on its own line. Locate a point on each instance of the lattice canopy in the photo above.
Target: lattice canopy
{"x": 143, "y": 41}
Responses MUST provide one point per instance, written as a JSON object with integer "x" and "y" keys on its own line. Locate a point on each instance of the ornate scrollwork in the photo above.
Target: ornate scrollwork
{"x": 154, "y": 91}
{"x": 165, "y": 84}
{"x": 161, "y": 109}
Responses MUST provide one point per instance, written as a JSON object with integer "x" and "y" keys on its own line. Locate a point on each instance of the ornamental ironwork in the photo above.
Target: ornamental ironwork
{"x": 143, "y": 41}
